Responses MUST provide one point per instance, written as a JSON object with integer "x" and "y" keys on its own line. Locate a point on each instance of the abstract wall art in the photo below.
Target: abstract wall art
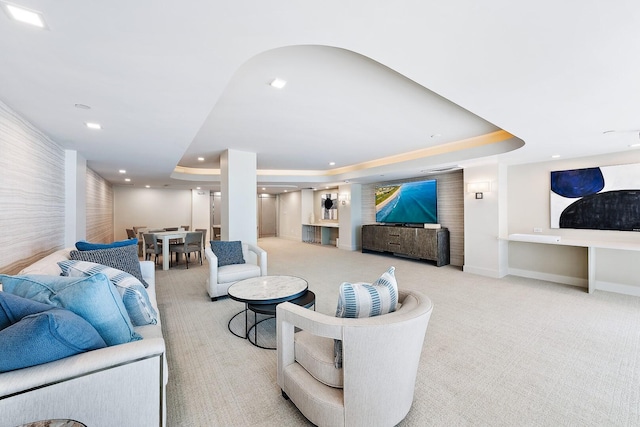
{"x": 599, "y": 198}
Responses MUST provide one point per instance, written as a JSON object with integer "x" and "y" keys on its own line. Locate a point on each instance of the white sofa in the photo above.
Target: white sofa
{"x": 121, "y": 385}
{"x": 220, "y": 278}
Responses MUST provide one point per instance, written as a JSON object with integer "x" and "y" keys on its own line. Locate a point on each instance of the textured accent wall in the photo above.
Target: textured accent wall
{"x": 99, "y": 209}
{"x": 450, "y": 208}
{"x": 31, "y": 193}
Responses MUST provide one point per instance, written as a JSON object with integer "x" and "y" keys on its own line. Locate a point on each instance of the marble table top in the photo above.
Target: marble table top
{"x": 268, "y": 289}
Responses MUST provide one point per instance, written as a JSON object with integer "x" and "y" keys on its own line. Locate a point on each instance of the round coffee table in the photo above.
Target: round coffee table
{"x": 263, "y": 291}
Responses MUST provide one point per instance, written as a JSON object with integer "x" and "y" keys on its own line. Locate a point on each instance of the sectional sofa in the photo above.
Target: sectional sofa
{"x": 120, "y": 385}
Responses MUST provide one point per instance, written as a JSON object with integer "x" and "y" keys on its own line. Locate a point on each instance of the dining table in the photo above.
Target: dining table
{"x": 166, "y": 236}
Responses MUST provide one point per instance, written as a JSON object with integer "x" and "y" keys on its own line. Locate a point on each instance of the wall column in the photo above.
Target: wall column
{"x": 350, "y": 216}
{"x": 75, "y": 170}
{"x": 484, "y": 221}
{"x": 238, "y": 205}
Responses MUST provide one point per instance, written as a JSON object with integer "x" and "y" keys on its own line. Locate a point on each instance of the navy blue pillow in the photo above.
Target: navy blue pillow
{"x": 227, "y": 252}
{"x": 86, "y": 246}
{"x": 45, "y": 337}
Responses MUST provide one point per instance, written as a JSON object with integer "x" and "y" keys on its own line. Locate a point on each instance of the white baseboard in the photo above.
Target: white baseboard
{"x": 619, "y": 288}
{"x": 567, "y": 280}
{"x": 480, "y": 271}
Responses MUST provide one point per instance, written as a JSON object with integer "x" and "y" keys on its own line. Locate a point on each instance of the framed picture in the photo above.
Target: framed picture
{"x": 329, "y": 206}
{"x": 599, "y": 198}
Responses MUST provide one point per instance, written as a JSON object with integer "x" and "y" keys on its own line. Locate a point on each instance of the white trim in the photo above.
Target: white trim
{"x": 567, "y": 280}
{"x": 619, "y": 288}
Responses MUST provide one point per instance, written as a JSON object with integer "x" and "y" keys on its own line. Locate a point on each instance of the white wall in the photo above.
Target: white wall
{"x": 528, "y": 207}
{"x": 289, "y": 215}
{"x": 200, "y": 211}
{"x": 154, "y": 208}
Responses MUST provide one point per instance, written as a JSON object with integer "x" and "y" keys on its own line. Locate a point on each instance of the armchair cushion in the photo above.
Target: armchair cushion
{"x": 316, "y": 355}
{"x": 227, "y": 252}
{"x": 134, "y": 296}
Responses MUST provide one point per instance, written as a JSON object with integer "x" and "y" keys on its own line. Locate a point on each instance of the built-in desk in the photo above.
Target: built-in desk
{"x": 325, "y": 233}
{"x": 591, "y": 245}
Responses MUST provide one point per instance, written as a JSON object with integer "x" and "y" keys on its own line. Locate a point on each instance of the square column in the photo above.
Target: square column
{"x": 238, "y": 202}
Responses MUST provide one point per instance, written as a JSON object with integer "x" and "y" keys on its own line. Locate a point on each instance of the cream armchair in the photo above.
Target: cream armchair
{"x": 220, "y": 278}
{"x": 376, "y": 383}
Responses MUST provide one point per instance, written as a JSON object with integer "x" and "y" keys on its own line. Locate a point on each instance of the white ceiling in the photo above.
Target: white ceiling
{"x": 366, "y": 81}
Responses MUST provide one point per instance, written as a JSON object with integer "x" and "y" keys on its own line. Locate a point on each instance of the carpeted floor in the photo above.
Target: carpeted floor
{"x": 504, "y": 352}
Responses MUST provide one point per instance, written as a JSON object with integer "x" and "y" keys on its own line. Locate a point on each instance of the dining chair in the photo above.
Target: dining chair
{"x": 151, "y": 247}
{"x": 192, "y": 243}
{"x": 186, "y": 228}
{"x": 204, "y": 236}
{"x": 171, "y": 229}
{"x": 130, "y": 233}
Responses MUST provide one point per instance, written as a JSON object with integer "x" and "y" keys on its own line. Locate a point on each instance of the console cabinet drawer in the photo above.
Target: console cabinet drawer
{"x": 420, "y": 243}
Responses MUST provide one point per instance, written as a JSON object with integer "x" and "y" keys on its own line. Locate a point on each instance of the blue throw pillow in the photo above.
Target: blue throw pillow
{"x": 227, "y": 252}
{"x": 87, "y": 246}
{"x": 134, "y": 295}
{"x": 13, "y": 308}
{"x": 124, "y": 258}
{"x": 45, "y": 337}
{"x": 93, "y": 298}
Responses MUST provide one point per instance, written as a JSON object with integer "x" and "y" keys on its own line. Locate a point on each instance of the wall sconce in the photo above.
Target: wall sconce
{"x": 344, "y": 198}
{"x": 479, "y": 188}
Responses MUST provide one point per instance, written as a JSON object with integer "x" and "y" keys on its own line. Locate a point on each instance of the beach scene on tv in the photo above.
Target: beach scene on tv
{"x": 407, "y": 203}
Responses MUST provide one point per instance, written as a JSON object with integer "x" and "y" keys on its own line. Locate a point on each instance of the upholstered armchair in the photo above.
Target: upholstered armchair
{"x": 380, "y": 357}
{"x": 221, "y": 277}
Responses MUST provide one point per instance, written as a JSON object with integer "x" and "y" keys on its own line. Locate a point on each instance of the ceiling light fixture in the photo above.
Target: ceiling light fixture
{"x": 201, "y": 159}
{"x": 332, "y": 163}
{"x": 95, "y": 126}
{"x": 555, "y": 156}
{"x": 278, "y": 83}
{"x": 122, "y": 171}
{"x": 26, "y": 16}
{"x": 147, "y": 186}
{"x": 127, "y": 180}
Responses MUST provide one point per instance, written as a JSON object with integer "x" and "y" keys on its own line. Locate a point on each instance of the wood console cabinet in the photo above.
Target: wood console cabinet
{"x": 420, "y": 243}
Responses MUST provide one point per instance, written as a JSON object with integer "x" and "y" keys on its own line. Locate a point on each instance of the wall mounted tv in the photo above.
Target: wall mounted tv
{"x": 407, "y": 203}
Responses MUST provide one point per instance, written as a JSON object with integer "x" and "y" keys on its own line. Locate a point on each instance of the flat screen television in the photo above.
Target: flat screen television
{"x": 407, "y": 203}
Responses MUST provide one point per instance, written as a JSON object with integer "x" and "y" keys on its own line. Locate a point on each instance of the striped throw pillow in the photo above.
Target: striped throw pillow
{"x": 134, "y": 295}
{"x": 366, "y": 300}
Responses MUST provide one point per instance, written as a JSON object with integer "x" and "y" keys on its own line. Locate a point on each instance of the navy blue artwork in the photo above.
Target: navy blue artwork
{"x": 610, "y": 210}
{"x": 577, "y": 183}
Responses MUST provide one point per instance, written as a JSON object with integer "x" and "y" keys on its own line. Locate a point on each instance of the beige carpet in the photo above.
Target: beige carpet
{"x": 508, "y": 352}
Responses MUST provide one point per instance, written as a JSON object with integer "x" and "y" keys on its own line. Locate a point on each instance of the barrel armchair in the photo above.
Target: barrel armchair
{"x": 380, "y": 357}
{"x": 221, "y": 278}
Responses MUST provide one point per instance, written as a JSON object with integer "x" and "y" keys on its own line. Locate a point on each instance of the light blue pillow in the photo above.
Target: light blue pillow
{"x": 93, "y": 298}
{"x": 44, "y": 337}
{"x": 134, "y": 295}
{"x": 13, "y": 308}
{"x": 227, "y": 252}
{"x": 87, "y": 246}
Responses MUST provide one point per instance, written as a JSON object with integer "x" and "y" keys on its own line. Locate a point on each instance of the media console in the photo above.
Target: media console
{"x": 412, "y": 242}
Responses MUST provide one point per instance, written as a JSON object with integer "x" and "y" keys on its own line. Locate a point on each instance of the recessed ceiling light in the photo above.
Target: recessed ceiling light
{"x": 555, "y": 156}
{"x": 197, "y": 188}
{"x": 82, "y": 106}
{"x": 286, "y": 191}
{"x": 122, "y": 171}
{"x": 436, "y": 135}
{"x": 201, "y": 159}
{"x": 263, "y": 189}
{"x": 332, "y": 163}
{"x": 27, "y": 16}
{"x": 93, "y": 125}
{"x": 634, "y": 145}
{"x": 278, "y": 83}
{"x": 127, "y": 179}
{"x": 147, "y": 186}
